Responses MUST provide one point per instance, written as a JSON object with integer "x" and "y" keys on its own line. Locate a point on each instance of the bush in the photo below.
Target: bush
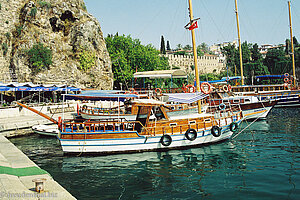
{"x": 87, "y": 60}
{"x": 45, "y": 4}
{"x": 7, "y": 35}
{"x": 4, "y": 48}
{"x": 0, "y": 6}
{"x": 6, "y": 22}
{"x": 18, "y": 31}
{"x": 40, "y": 57}
{"x": 33, "y": 12}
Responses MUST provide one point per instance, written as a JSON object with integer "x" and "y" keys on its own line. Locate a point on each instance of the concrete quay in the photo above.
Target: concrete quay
{"x": 18, "y": 121}
{"x": 17, "y": 172}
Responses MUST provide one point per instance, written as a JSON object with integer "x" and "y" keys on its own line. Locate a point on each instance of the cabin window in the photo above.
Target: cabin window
{"x": 179, "y": 107}
{"x": 226, "y": 101}
{"x": 247, "y": 100}
{"x": 173, "y": 124}
{"x": 236, "y": 101}
{"x": 207, "y": 120}
{"x": 192, "y": 122}
{"x": 172, "y": 108}
{"x": 158, "y": 113}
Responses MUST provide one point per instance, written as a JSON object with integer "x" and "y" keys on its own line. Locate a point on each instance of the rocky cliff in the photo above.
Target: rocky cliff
{"x": 79, "y": 54}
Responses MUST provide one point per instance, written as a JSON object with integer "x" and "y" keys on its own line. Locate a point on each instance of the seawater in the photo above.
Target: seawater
{"x": 263, "y": 162}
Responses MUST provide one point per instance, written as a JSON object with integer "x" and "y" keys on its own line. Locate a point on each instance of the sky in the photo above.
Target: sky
{"x": 261, "y": 21}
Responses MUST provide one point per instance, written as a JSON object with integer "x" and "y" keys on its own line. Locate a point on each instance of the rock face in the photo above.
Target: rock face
{"x": 65, "y": 27}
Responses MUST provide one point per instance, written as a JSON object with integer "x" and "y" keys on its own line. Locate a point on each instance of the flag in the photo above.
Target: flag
{"x": 193, "y": 26}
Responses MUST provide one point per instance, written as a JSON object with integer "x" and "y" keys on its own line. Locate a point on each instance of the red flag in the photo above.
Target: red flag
{"x": 193, "y": 26}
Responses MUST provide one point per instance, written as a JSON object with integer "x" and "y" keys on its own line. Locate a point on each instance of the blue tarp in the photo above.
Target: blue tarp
{"x": 100, "y": 97}
{"x": 36, "y": 89}
{"x": 185, "y": 97}
{"x": 270, "y": 76}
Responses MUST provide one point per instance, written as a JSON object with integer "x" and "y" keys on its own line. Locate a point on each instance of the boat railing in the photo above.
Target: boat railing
{"x": 112, "y": 125}
{"x": 203, "y": 125}
{"x": 101, "y": 111}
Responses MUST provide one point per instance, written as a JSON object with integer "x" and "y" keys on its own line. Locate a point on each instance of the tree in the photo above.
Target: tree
{"x": 255, "y": 54}
{"x": 168, "y": 46}
{"x": 162, "y": 45}
{"x": 187, "y": 47}
{"x": 179, "y": 46}
{"x": 40, "y": 57}
{"x": 129, "y": 55}
{"x": 277, "y": 62}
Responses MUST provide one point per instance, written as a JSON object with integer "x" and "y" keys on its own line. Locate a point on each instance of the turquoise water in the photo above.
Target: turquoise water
{"x": 261, "y": 163}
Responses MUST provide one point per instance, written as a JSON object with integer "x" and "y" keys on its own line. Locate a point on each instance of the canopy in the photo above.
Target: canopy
{"x": 185, "y": 97}
{"x": 270, "y": 76}
{"x": 32, "y": 87}
{"x": 100, "y": 97}
{"x": 161, "y": 74}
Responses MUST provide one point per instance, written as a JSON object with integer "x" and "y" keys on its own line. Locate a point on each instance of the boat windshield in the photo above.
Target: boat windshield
{"x": 158, "y": 113}
{"x": 142, "y": 117}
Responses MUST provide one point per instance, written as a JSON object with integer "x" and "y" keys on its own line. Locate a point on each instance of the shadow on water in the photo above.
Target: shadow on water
{"x": 261, "y": 162}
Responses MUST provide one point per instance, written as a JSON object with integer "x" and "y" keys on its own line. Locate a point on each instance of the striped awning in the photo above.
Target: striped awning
{"x": 185, "y": 97}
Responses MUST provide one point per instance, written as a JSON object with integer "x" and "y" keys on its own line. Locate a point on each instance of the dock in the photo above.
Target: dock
{"x": 17, "y": 173}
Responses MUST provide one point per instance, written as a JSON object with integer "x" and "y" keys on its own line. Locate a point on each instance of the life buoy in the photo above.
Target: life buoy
{"x": 286, "y": 80}
{"x": 84, "y": 107}
{"x": 225, "y": 88}
{"x": 205, "y": 88}
{"x": 158, "y": 91}
{"x": 190, "y": 89}
{"x": 229, "y": 88}
{"x": 166, "y": 140}
{"x": 191, "y": 134}
{"x": 286, "y": 75}
{"x": 131, "y": 90}
{"x": 216, "y": 131}
{"x": 290, "y": 81}
{"x": 233, "y": 126}
{"x": 222, "y": 106}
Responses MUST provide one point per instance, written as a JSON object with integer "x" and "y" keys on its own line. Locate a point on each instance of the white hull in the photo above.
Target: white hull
{"x": 260, "y": 113}
{"x": 138, "y": 144}
{"x": 47, "y": 130}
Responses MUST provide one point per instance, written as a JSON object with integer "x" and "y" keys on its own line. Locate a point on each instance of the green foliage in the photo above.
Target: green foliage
{"x": 45, "y": 4}
{"x": 7, "y": 35}
{"x": 6, "y": 22}
{"x": 87, "y": 60}
{"x": 182, "y": 53}
{"x": 129, "y": 55}
{"x": 33, "y": 12}
{"x": 40, "y": 57}
{"x": 278, "y": 62}
{"x": 162, "y": 45}
{"x": 0, "y": 6}
{"x": 168, "y": 46}
{"x": 83, "y": 6}
{"x": 18, "y": 30}
{"x": 4, "y": 48}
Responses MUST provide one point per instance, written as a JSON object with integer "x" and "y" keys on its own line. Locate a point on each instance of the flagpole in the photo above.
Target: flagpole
{"x": 195, "y": 53}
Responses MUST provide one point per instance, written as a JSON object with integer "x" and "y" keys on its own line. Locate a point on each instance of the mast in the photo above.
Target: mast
{"x": 292, "y": 43}
{"x": 195, "y": 54}
{"x": 239, "y": 39}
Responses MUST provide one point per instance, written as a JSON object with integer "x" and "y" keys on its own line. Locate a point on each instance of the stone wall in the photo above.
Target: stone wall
{"x": 63, "y": 26}
{"x": 206, "y": 64}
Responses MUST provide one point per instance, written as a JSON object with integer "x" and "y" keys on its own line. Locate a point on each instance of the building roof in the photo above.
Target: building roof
{"x": 178, "y": 73}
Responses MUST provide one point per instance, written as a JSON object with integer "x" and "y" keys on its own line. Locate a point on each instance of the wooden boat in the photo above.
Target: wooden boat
{"x": 152, "y": 130}
{"x": 251, "y": 106}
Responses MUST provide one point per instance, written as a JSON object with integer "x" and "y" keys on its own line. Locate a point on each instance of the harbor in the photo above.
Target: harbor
{"x": 92, "y": 113}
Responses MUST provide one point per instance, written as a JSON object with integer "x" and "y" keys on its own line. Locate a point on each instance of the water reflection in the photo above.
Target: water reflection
{"x": 265, "y": 155}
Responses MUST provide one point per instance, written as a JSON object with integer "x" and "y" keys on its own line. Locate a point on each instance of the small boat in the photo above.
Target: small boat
{"x": 46, "y": 130}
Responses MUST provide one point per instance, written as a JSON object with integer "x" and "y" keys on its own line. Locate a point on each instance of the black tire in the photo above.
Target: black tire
{"x": 216, "y": 131}
{"x": 166, "y": 140}
{"x": 191, "y": 134}
{"x": 234, "y": 126}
